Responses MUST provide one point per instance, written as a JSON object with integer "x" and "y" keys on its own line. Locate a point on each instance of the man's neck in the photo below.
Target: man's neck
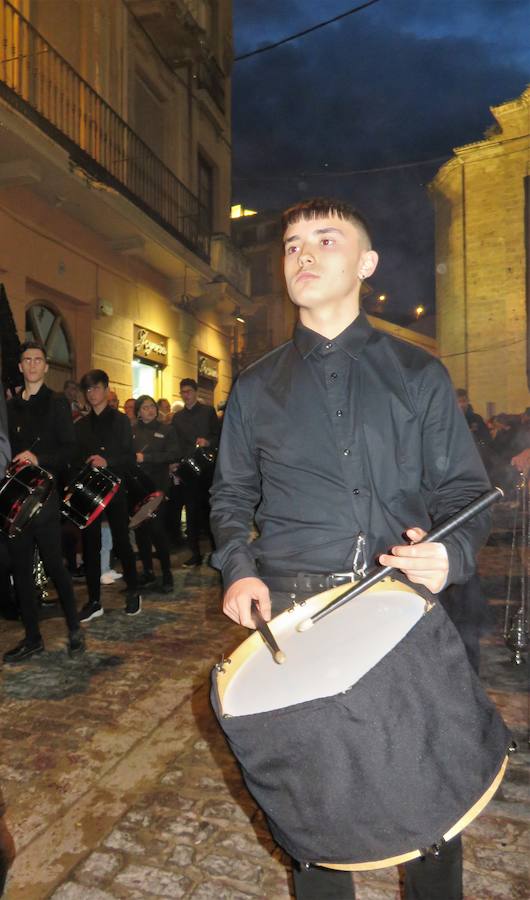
{"x": 31, "y": 388}
{"x": 97, "y": 410}
{"x": 328, "y": 323}
{"x": 192, "y": 405}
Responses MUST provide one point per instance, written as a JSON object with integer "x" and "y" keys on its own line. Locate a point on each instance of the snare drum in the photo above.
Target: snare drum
{"x": 87, "y": 496}
{"x": 198, "y": 468}
{"x": 373, "y": 741}
{"x": 23, "y": 493}
{"x": 144, "y": 498}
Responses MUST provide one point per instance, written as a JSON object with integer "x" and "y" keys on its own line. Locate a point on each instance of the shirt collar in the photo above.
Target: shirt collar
{"x": 351, "y": 340}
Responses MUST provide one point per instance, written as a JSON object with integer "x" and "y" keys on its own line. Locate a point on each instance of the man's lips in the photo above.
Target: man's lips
{"x": 305, "y": 276}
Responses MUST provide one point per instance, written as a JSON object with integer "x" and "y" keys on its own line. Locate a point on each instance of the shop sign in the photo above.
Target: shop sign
{"x": 150, "y": 346}
{"x": 208, "y": 367}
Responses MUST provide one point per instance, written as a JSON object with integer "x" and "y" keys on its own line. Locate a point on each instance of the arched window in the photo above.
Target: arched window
{"x": 47, "y": 326}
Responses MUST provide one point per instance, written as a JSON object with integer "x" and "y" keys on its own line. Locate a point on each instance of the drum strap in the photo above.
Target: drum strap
{"x": 306, "y": 582}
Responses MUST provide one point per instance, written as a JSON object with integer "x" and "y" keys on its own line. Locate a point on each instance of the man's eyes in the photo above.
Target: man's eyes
{"x": 327, "y": 242}
{"x": 291, "y": 249}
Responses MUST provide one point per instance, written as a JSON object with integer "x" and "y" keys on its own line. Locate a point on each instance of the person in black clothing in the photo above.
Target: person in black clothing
{"x": 41, "y": 434}
{"x": 104, "y": 438}
{"x": 196, "y": 426}
{"x": 8, "y": 606}
{"x": 155, "y": 445}
{"x": 341, "y": 443}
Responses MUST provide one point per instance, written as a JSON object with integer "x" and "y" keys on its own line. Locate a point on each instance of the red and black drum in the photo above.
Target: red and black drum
{"x": 374, "y": 741}
{"x": 144, "y": 497}
{"x": 23, "y": 493}
{"x": 88, "y": 495}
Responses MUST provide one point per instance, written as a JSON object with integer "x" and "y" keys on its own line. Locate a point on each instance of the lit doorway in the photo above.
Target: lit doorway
{"x": 146, "y": 379}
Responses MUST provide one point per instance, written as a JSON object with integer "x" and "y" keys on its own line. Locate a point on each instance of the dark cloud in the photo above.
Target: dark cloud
{"x": 400, "y": 81}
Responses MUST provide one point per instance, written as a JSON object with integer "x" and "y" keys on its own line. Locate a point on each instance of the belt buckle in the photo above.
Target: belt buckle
{"x": 338, "y": 578}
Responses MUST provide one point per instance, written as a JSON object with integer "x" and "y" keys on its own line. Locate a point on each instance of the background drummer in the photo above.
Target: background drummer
{"x": 155, "y": 446}
{"x": 346, "y": 441}
{"x": 196, "y": 425}
{"x": 41, "y": 433}
{"x": 104, "y": 439}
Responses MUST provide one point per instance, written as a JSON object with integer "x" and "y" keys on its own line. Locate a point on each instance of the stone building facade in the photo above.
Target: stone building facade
{"x": 482, "y": 210}
{"x": 115, "y": 156}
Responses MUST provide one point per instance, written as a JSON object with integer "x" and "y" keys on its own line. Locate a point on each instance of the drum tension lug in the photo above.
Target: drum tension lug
{"x": 434, "y": 850}
{"x": 513, "y": 748}
{"x": 220, "y": 666}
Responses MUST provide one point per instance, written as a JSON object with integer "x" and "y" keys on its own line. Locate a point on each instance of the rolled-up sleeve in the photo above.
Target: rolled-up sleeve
{"x": 235, "y": 493}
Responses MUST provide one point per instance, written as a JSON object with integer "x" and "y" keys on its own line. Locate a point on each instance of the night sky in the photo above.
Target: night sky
{"x": 398, "y": 82}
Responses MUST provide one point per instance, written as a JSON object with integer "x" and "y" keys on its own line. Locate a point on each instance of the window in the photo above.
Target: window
{"x": 205, "y": 192}
{"x": 149, "y": 116}
{"x": 46, "y": 325}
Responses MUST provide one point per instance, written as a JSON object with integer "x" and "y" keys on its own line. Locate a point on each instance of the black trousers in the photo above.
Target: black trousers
{"x": 152, "y": 532}
{"x": 197, "y": 503}
{"x": 117, "y": 513}
{"x": 425, "y": 879}
{"x": 45, "y": 532}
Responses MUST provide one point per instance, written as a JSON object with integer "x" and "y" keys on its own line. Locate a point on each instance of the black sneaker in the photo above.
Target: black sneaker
{"x": 23, "y": 651}
{"x": 76, "y": 642}
{"x": 90, "y": 611}
{"x": 146, "y": 578}
{"x": 167, "y": 586}
{"x": 133, "y": 605}
{"x": 78, "y": 574}
{"x": 192, "y": 563}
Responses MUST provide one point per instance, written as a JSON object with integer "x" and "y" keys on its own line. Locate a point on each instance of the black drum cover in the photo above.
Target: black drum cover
{"x": 197, "y": 468}
{"x": 383, "y": 769}
{"x": 23, "y": 492}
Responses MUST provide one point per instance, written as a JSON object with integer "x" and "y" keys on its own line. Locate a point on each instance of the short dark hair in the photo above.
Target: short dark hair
{"x": 319, "y": 207}
{"x": 69, "y": 381}
{"x": 32, "y": 345}
{"x": 189, "y": 382}
{"x": 141, "y": 399}
{"x": 93, "y": 377}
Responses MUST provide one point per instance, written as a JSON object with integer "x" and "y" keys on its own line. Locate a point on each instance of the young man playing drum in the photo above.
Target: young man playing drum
{"x": 104, "y": 439}
{"x": 41, "y": 432}
{"x": 345, "y": 444}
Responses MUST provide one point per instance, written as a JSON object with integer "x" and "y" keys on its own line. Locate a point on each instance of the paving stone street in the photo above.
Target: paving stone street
{"x": 119, "y": 783}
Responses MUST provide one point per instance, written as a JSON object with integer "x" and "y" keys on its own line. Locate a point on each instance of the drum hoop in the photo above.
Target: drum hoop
{"x": 284, "y": 621}
{"x": 457, "y": 828}
{"x": 158, "y": 495}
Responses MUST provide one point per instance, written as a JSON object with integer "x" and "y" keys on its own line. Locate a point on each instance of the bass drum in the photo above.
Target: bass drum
{"x": 197, "y": 468}
{"x": 144, "y": 498}
{"x": 23, "y": 493}
{"x": 88, "y": 495}
{"x": 373, "y": 741}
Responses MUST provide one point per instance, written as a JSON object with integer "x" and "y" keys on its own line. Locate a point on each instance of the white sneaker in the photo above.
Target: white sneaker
{"x": 110, "y": 577}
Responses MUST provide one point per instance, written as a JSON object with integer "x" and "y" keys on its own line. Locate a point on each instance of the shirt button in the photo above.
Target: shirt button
{"x": 339, "y": 413}
{"x": 356, "y": 491}
{"x": 347, "y": 452}
{"x": 328, "y": 346}
{"x": 333, "y": 376}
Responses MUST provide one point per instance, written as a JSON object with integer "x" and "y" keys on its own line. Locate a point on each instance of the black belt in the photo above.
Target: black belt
{"x": 306, "y": 582}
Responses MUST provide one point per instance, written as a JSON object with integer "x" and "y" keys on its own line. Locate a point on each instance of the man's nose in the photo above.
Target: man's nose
{"x": 305, "y": 257}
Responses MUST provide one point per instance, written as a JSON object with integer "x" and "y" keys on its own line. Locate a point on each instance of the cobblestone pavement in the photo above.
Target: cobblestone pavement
{"x": 120, "y": 785}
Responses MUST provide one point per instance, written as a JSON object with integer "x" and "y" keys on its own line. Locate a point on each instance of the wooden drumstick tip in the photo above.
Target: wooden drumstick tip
{"x": 279, "y": 657}
{"x": 305, "y": 625}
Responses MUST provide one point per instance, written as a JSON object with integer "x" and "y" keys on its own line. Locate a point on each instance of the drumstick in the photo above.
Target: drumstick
{"x": 376, "y": 574}
{"x": 267, "y": 635}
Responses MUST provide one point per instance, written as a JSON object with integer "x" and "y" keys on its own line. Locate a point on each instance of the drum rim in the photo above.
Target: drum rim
{"x": 452, "y": 832}
{"x": 139, "y": 506}
{"x": 294, "y": 614}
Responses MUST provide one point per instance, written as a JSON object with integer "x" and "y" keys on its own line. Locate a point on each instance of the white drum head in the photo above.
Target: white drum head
{"x": 324, "y": 660}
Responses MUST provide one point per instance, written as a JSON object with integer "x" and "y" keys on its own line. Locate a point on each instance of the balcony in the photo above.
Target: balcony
{"x": 40, "y": 84}
{"x": 180, "y": 30}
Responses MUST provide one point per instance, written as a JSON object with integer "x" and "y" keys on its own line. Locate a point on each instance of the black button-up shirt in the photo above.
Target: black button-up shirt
{"x": 42, "y": 424}
{"x": 324, "y": 439}
{"x": 107, "y": 434}
{"x": 199, "y": 421}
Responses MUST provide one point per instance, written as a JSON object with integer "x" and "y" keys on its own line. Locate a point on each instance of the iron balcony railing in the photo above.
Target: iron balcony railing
{"x": 37, "y": 81}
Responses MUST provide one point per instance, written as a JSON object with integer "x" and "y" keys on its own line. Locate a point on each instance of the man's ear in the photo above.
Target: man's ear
{"x": 368, "y": 264}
